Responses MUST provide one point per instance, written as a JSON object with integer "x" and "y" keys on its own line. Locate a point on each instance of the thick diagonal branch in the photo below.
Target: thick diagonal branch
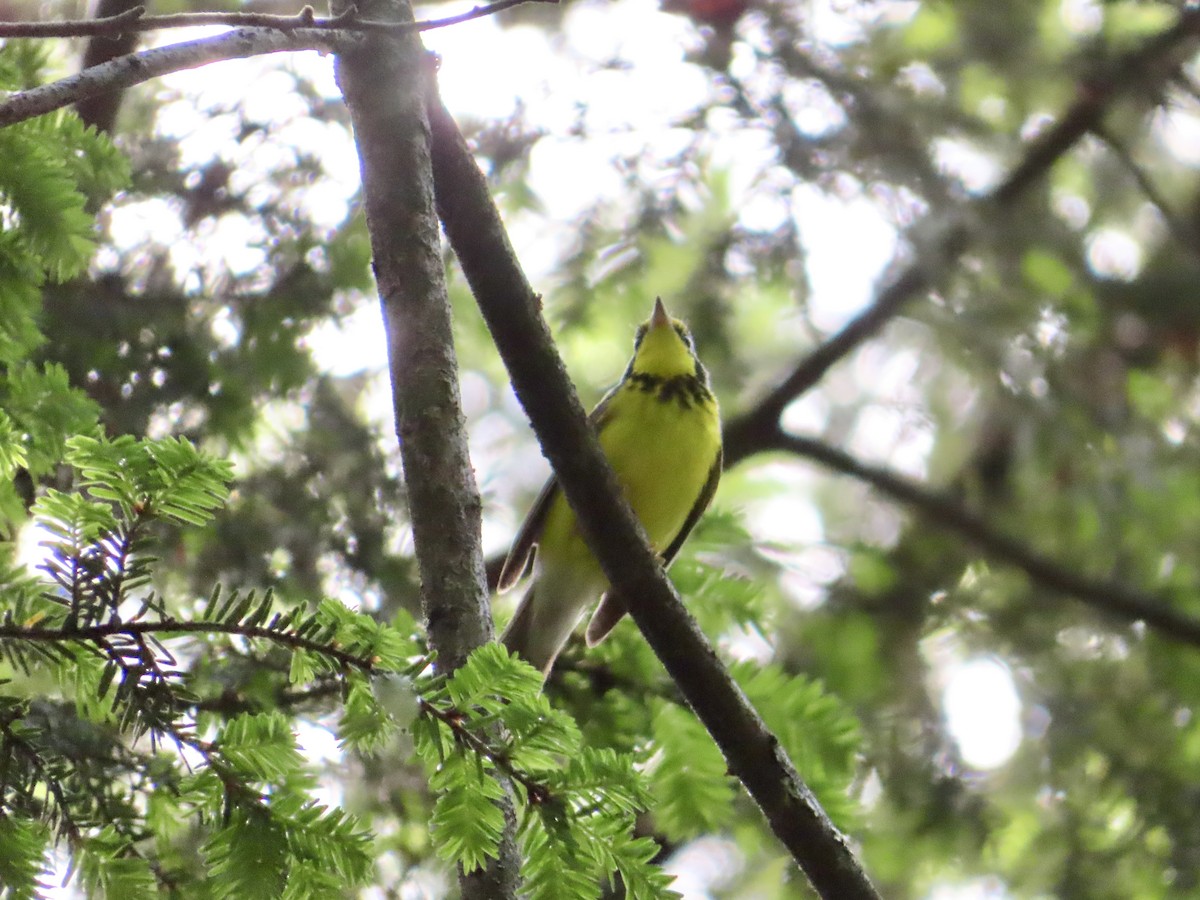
{"x": 511, "y": 311}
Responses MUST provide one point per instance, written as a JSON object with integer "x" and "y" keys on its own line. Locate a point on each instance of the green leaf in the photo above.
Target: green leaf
{"x": 248, "y": 857}
{"x": 364, "y": 725}
{"x": 467, "y": 823}
{"x": 688, "y": 777}
{"x": 262, "y": 747}
{"x": 109, "y": 867}
{"x": 23, "y": 846}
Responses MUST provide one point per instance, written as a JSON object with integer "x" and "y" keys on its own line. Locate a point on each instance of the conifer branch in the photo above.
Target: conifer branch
{"x": 134, "y": 630}
{"x": 455, "y": 720}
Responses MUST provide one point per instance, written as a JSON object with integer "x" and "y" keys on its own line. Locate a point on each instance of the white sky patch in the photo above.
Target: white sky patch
{"x": 1178, "y": 127}
{"x": 848, "y": 244}
{"x": 1114, "y": 254}
{"x": 352, "y": 345}
{"x": 60, "y": 865}
{"x": 808, "y": 572}
{"x": 901, "y": 437}
{"x": 1082, "y": 17}
{"x": 484, "y": 46}
{"x": 747, "y": 644}
{"x": 319, "y": 746}
{"x": 837, "y": 22}
{"x": 594, "y": 36}
{"x": 808, "y": 413}
{"x": 976, "y": 889}
{"x": 31, "y": 549}
{"x": 704, "y": 865}
{"x": 153, "y": 220}
{"x": 975, "y": 170}
{"x": 782, "y": 518}
{"x": 812, "y": 108}
{"x": 983, "y": 711}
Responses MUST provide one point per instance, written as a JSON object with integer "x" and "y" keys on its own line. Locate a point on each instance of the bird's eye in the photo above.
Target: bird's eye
{"x": 685, "y": 336}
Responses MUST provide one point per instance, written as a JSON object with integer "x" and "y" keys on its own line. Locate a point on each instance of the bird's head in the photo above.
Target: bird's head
{"x": 663, "y": 348}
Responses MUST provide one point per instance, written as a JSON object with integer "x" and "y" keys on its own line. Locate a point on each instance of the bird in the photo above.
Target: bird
{"x": 660, "y": 428}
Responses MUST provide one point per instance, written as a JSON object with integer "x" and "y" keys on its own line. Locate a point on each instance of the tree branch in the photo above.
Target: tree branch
{"x": 384, "y": 83}
{"x": 135, "y": 20}
{"x": 1181, "y": 230}
{"x": 1109, "y": 597}
{"x": 1146, "y": 68}
{"x": 135, "y": 68}
{"x": 101, "y": 110}
{"x": 511, "y": 310}
{"x": 98, "y": 633}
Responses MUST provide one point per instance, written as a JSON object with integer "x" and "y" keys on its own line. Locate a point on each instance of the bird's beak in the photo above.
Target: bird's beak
{"x": 660, "y": 318}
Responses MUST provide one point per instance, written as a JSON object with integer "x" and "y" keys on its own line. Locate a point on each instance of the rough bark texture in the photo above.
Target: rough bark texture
{"x": 384, "y": 89}
{"x": 100, "y": 110}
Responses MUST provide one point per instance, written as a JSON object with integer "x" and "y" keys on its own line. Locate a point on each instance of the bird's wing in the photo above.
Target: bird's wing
{"x": 520, "y": 557}
{"x": 698, "y": 508}
{"x": 613, "y": 607}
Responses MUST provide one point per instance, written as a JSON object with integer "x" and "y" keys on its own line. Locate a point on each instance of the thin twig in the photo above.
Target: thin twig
{"x": 1183, "y": 233}
{"x": 232, "y": 702}
{"x": 136, "y": 20}
{"x": 126, "y": 71}
{"x": 96, "y": 633}
{"x": 453, "y": 719}
{"x": 1110, "y": 597}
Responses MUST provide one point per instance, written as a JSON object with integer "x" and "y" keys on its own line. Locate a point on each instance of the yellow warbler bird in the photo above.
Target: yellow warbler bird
{"x": 661, "y": 431}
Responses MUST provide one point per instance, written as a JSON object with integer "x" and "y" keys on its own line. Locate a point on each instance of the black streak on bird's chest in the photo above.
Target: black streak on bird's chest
{"x": 684, "y": 389}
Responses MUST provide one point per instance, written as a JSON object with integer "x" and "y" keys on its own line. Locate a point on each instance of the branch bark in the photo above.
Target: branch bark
{"x": 511, "y": 310}
{"x": 100, "y": 110}
{"x": 126, "y": 71}
{"x": 1112, "y": 598}
{"x": 384, "y": 85}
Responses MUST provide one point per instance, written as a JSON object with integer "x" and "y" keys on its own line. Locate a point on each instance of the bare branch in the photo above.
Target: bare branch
{"x": 135, "y": 20}
{"x": 1183, "y": 233}
{"x": 99, "y": 633}
{"x": 919, "y": 276}
{"x": 1145, "y": 68}
{"x": 136, "y": 68}
{"x": 511, "y": 310}
{"x": 1109, "y": 597}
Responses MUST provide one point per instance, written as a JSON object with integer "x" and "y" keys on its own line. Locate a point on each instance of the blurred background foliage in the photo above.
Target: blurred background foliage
{"x": 763, "y": 165}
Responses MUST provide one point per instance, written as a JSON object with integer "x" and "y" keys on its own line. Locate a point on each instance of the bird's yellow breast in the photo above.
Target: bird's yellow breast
{"x": 662, "y": 451}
